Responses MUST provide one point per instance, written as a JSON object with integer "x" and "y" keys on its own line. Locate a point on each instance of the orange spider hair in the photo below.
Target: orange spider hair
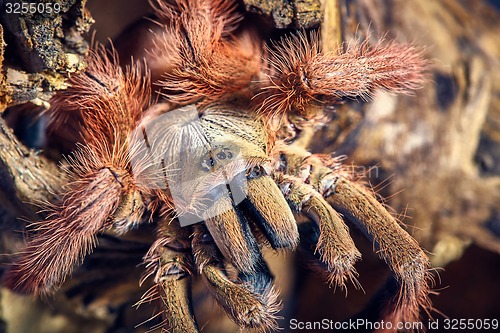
{"x": 301, "y": 76}
{"x": 109, "y": 101}
{"x": 210, "y": 62}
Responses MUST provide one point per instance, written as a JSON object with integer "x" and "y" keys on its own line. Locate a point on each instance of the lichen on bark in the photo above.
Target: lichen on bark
{"x": 38, "y": 51}
{"x": 303, "y": 14}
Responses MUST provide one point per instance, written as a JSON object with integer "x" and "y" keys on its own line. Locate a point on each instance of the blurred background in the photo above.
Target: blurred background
{"x": 434, "y": 156}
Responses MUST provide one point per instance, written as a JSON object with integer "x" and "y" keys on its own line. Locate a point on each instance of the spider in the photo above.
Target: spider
{"x": 213, "y": 160}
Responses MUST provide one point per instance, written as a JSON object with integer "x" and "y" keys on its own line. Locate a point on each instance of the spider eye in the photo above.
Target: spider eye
{"x": 256, "y": 172}
{"x": 208, "y": 164}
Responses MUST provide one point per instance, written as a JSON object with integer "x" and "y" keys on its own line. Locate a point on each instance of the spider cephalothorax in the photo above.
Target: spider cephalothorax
{"x": 215, "y": 173}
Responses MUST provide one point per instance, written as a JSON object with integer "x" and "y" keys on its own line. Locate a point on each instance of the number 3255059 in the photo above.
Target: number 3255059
{"x": 32, "y": 8}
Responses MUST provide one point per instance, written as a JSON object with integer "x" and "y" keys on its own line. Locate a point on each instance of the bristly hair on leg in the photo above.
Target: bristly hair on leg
{"x": 107, "y": 98}
{"x": 68, "y": 234}
{"x": 101, "y": 184}
{"x": 211, "y": 62}
{"x": 251, "y": 302}
{"x": 169, "y": 264}
{"x": 300, "y": 75}
{"x": 409, "y": 263}
{"x": 221, "y": 14}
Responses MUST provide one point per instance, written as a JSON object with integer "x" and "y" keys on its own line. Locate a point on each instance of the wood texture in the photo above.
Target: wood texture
{"x": 439, "y": 149}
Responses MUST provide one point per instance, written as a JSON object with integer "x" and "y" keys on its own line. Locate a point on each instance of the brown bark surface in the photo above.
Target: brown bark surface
{"x": 439, "y": 149}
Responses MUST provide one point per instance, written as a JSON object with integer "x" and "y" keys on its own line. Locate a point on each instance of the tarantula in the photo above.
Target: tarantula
{"x": 213, "y": 161}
